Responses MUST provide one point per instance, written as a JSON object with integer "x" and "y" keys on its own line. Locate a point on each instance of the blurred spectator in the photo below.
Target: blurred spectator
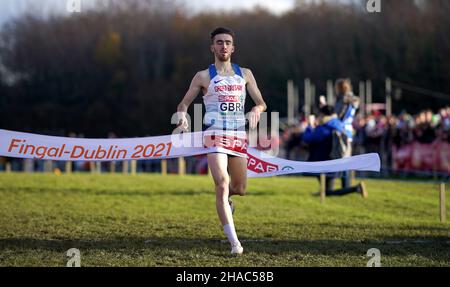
{"x": 388, "y": 135}
{"x": 320, "y": 145}
{"x": 360, "y": 136}
{"x": 291, "y": 138}
{"x": 346, "y": 105}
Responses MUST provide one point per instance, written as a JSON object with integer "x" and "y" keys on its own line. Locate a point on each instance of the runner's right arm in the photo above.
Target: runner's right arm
{"x": 194, "y": 89}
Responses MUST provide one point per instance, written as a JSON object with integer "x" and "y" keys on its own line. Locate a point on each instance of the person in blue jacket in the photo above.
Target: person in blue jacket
{"x": 346, "y": 106}
{"x": 319, "y": 139}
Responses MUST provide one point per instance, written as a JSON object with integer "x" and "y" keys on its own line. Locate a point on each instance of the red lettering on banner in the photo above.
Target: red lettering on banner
{"x": 53, "y": 152}
{"x": 259, "y": 166}
{"x": 227, "y": 142}
{"x": 77, "y": 152}
{"x": 14, "y": 144}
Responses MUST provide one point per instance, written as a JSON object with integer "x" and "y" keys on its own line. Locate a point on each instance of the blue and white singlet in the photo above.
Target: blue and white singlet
{"x": 225, "y": 100}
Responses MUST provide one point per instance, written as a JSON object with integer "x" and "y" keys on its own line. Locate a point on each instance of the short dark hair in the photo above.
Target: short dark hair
{"x": 222, "y": 30}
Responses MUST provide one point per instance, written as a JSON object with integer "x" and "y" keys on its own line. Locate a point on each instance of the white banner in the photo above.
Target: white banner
{"x": 259, "y": 164}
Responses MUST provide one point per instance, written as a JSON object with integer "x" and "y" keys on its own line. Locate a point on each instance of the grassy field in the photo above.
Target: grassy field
{"x": 152, "y": 220}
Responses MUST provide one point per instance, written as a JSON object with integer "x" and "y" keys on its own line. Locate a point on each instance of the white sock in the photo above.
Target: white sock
{"x": 230, "y": 232}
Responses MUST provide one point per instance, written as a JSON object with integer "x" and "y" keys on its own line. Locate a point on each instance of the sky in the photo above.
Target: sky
{"x": 12, "y": 8}
{"x": 277, "y": 6}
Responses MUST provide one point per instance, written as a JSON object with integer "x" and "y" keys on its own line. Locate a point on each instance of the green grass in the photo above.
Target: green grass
{"x": 152, "y": 220}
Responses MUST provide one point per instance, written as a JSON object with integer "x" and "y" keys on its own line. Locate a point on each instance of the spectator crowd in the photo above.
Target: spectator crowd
{"x": 387, "y": 135}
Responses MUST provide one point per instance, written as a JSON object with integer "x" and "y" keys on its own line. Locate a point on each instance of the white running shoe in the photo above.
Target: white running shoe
{"x": 236, "y": 248}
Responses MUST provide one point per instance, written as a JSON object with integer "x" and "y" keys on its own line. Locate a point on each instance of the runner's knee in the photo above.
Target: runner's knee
{"x": 240, "y": 189}
{"x": 222, "y": 186}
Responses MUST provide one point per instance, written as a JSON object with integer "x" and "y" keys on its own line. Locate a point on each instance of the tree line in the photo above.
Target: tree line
{"x": 123, "y": 68}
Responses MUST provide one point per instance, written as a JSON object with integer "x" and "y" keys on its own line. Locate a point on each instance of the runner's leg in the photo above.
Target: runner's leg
{"x": 237, "y": 168}
{"x": 218, "y": 164}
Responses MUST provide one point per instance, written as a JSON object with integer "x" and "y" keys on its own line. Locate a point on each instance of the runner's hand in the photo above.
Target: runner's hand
{"x": 254, "y": 117}
{"x": 183, "y": 123}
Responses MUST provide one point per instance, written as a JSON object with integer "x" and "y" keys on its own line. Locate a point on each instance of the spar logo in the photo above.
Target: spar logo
{"x": 259, "y": 166}
{"x": 287, "y": 168}
{"x": 228, "y": 142}
{"x": 233, "y": 99}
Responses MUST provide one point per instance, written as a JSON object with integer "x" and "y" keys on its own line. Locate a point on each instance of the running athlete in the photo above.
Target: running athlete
{"x": 224, "y": 88}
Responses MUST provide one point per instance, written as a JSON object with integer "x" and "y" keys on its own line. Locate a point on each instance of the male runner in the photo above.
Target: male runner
{"x": 224, "y": 88}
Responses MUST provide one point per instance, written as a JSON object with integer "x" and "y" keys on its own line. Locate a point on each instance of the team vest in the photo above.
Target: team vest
{"x": 225, "y": 100}
{"x": 348, "y": 121}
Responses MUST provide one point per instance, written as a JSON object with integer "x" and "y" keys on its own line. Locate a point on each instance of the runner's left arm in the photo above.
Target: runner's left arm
{"x": 255, "y": 94}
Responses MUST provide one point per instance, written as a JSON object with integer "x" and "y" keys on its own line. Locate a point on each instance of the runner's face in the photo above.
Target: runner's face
{"x": 223, "y": 47}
